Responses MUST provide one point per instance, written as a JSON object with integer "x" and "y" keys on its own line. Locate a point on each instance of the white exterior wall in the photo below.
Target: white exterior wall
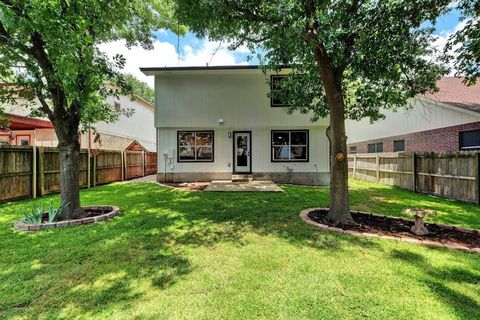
{"x": 423, "y": 115}
{"x": 139, "y": 126}
{"x": 197, "y": 100}
{"x": 261, "y": 152}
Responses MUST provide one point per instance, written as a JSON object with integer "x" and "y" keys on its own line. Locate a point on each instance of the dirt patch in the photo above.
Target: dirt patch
{"x": 188, "y": 186}
{"x": 400, "y": 228}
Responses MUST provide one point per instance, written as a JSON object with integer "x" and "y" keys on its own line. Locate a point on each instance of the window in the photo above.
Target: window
{"x": 398, "y": 145}
{"x": 470, "y": 140}
{"x": 275, "y": 92}
{"x": 375, "y": 147}
{"x": 289, "y": 145}
{"x": 4, "y": 140}
{"x": 353, "y": 149}
{"x": 195, "y": 146}
{"x": 23, "y": 140}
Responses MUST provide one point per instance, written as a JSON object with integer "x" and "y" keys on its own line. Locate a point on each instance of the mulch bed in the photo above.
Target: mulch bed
{"x": 398, "y": 227}
{"x": 189, "y": 186}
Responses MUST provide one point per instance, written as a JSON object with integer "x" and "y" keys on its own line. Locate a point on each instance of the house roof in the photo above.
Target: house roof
{"x": 17, "y": 122}
{"x": 159, "y": 70}
{"x": 453, "y": 92}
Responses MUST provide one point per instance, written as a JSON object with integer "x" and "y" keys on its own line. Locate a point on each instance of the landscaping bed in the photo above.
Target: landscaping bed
{"x": 91, "y": 214}
{"x": 399, "y": 228}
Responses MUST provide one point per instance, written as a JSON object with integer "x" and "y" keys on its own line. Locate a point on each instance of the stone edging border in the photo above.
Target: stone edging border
{"x": 306, "y": 218}
{"x": 22, "y": 226}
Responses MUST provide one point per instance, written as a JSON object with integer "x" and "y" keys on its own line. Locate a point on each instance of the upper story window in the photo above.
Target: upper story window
{"x": 353, "y": 149}
{"x": 375, "y": 147}
{"x": 275, "y": 88}
{"x": 398, "y": 145}
{"x": 470, "y": 140}
{"x": 195, "y": 146}
{"x": 117, "y": 105}
{"x": 290, "y": 145}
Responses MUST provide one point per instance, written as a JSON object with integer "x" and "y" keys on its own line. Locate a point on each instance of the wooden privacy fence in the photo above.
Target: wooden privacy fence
{"x": 35, "y": 171}
{"x": 451, "y": 174}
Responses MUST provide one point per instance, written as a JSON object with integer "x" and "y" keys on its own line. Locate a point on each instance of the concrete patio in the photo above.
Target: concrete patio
{"x": 252, "y": 186}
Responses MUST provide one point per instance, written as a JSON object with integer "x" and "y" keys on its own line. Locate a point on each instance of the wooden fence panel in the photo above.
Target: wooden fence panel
{"x": 51, "y": 170}
{"x": 452, "y": 175}
{"x": 32, "y": 171}
{"x": 15, "y": 172}
{"x": 134, "y": 167}
{"x": 151, "y": 163}
{"x": 108, "y": 167}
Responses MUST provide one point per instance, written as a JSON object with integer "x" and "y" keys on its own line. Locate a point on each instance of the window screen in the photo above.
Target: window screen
{"x": 470, "y": 140}
{"x": 398, "y": 145}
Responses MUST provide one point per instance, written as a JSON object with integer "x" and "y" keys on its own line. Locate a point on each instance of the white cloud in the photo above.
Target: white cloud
{"x": 442, "y": 40}
{"x": 165, "y": 54}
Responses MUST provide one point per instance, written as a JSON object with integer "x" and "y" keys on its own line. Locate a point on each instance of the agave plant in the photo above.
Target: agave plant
{"x": 37, "y": 213}
{"x": 54, "y": 213}
{"x": 35, "y": 216}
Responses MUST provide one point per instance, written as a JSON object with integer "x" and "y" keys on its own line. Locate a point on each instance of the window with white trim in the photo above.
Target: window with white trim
{"x": 195, "y": 146}
{"x": 290, "y": 145}
{"x": 470, "y": 140}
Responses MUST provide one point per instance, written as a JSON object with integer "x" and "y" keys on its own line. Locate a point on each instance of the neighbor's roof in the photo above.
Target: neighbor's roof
{"x": 157, "y": 70}
{"x": 453, "y": 91}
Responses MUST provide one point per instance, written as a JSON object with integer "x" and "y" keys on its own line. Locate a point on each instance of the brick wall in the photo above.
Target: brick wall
{"x": 437, "y": 140}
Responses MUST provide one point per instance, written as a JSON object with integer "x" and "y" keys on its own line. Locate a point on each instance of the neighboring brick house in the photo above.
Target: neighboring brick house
{"x": 448, "y": 120}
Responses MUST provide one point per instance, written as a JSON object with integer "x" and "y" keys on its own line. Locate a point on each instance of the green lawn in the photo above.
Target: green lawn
{"x": 180, "y": 255}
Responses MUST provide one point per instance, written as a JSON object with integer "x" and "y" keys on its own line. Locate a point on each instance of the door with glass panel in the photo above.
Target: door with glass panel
{"x": 242, "y": 152}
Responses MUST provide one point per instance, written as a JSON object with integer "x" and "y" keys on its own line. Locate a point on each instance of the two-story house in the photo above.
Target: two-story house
{"x": 215, "y": 122}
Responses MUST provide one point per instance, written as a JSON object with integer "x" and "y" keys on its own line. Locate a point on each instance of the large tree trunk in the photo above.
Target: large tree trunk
{"x": 69, "y": 178}
{"x": 339, "y": 209}
{"x": 339, "y": 212}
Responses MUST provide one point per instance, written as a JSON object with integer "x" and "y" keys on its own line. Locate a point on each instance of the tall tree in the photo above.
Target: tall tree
{"x": 49, "y": 49}
{"x": 349, "y": 58}
{"x": 465, "y": 43}
{"x": 140, "y": 88}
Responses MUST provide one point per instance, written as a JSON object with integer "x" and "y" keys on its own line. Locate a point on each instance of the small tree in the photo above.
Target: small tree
{"x": 349, "y": 58}
{"x": 466, "y": 42}
{"x": 49, "y": 50}
{"x": 140, "y": 88}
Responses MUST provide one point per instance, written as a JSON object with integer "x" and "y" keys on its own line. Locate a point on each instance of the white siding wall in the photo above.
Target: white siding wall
{"x": 238, "y": 98}
{"x": 139, "y": 126}
{"x": 197, "y": 100}
{"x": 423, "y": 115}
{"x": 261, "y": 151}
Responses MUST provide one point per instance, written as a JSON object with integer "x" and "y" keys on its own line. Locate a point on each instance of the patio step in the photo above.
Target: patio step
{"x": 242, "y": 178}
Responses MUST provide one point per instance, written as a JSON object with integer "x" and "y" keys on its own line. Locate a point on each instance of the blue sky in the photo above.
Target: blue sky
{"x": 169, "y": 50}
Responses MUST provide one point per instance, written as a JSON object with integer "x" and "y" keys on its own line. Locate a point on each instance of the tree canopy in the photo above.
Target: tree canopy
{"x": 465, "y": 43}
{"x": 140, "y": 88}
{"x": 348, "y": 58}
{"x": 49, "y": 49}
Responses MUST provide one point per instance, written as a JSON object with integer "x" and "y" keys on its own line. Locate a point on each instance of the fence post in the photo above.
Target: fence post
{"x": 41, "y": 173}
{"x": 88, "y": 168}
{"x": 34, "y": 172}
{"x": 122, "y": 165}
{"x": 377, "y": 161}
{"x": 126, "y": 165}
{"x": 354, "y": 166}
{"x": 94, "y": 171}
{"x": 414, "y": 172}
{"x": 143, "y": 163}
{"x": 477, "y": 177}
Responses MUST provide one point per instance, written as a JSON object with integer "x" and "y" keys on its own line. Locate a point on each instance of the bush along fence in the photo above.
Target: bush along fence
{"x": 35, "y": 171}
{"x": 451, "y": 174}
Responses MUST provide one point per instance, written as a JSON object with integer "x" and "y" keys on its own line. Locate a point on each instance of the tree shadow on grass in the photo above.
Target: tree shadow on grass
{"x": 442, "y": 279}
{"x": 111, "y": 262}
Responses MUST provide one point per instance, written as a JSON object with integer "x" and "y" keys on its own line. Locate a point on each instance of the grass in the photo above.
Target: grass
{"x": 180, "y": 255}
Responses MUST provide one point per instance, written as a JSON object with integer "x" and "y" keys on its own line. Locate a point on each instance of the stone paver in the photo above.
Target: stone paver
{"x": 253, "y": 186}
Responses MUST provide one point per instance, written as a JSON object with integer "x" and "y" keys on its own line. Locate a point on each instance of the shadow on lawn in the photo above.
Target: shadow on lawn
{"x": 114, "y": 262}
{"x": 439, "y": 280}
